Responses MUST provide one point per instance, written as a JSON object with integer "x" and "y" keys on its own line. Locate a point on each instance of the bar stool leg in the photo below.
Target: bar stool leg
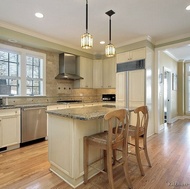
{"x": 109, "y": 168}
{"x": 85, "y": 159}
{"x": 137, "y": 151}
{"x": 146, "y": 150}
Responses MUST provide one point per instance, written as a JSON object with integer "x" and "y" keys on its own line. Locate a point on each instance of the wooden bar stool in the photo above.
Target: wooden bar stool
{"x": 137, "y": 131}
{"x": 108, "y": 141}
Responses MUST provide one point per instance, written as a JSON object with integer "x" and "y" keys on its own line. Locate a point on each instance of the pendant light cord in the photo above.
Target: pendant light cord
{"x": 110, "y": 30}
{"x": 86, "y": 16}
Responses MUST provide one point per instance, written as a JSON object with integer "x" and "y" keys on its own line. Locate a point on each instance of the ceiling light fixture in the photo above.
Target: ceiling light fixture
{"x": 39, "y": 15}
{"x": 188, "y": 7}
{"x": 102, "y": 42}
{"x": 110, "y": 49}
{"x": 86, "y": 38}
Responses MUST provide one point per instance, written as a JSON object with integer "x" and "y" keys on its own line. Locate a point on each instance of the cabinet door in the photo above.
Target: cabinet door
{"x": 121, "y": 57}
{"x": 109, "y": 73}
{"x": 84, "y": 69}
{"x": 97, "y": 74}
{"x": 128, "y": 56}
{"x": 121, "y": 88}
{"x": 136, "y": 88}
{"x": 139, "y": 54}
{"x": 9, "y": 130}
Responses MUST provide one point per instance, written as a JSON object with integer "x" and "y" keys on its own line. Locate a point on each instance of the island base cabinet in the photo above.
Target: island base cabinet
{"x": 65, "y": 147}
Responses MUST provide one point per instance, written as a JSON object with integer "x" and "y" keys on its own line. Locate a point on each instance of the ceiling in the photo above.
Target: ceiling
{"x": 64, "y": 21}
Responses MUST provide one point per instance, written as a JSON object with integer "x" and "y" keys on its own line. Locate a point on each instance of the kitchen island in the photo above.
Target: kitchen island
{"x": 66, "y": 129}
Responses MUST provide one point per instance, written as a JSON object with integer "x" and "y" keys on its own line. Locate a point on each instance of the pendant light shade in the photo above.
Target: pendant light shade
{"x": 86, "y": 38}
{"x": 110, "y": 49}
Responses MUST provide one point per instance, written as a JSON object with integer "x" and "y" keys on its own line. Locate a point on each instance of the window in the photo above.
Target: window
{"x": 187, "y": 88}
{"x": 9, "y": 73}
{"x": 22, "y": 72}
{"x": 34, "y": 75}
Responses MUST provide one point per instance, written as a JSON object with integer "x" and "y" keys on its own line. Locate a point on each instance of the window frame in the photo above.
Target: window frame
{"x": 22, "y": 68}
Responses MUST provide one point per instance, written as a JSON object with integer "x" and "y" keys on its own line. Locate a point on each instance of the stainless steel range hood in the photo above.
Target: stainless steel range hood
{"x": 67, "y": 67}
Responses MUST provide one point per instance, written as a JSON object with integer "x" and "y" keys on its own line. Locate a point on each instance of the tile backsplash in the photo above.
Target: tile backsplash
{"x": 85, "y": 95}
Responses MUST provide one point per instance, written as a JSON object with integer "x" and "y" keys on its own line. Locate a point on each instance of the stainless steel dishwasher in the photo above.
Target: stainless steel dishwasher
{"x": 33, "y": 123}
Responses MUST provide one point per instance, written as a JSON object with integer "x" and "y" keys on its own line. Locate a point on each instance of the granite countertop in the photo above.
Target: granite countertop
{"x": 84, "y": 113}
{"x": 34, "y": 105}
{"x": 45, "y": 104}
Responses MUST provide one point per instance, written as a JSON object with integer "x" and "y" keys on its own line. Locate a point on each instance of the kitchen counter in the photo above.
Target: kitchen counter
{"x": 46, "y": 104}
{"x": 84, "y": 113}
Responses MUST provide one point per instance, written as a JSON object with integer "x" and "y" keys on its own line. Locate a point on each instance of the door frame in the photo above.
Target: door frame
{"x": 169, "y": 91}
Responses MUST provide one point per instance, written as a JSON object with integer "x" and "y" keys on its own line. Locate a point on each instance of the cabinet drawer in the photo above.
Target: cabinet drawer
{"x": 8, "y": 112}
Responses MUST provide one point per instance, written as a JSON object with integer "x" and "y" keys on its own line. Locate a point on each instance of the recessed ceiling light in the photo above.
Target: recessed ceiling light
{"x": 39, "y": 15}
{"x": 188, "y": 7}
{"x": 102, "y": 42}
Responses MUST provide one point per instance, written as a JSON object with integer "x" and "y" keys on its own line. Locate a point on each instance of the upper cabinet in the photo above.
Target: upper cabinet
{"x": 84, "y": 69}
{"x": 131, "y": 55}
{"x": 109, "y": 73}
{"x": 97, "y": 74}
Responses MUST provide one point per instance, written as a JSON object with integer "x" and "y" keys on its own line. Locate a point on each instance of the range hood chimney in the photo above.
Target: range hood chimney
{"x": 67, "y": 67}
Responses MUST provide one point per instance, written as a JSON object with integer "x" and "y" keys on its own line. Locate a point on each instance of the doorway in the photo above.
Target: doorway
{"x": 167, "y": 95}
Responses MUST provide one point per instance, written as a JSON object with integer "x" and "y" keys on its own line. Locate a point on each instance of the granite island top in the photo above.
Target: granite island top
{"x": 85, "y": 113}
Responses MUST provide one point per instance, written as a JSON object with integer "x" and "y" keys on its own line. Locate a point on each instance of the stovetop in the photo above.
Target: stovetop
{"x": 68, "y": 101}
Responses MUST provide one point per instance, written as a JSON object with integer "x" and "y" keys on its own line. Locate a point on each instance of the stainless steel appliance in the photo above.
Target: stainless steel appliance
{"x": 33, "y": 123}
{"x": 108, "y": 97}
{"x": 67, "y": 67}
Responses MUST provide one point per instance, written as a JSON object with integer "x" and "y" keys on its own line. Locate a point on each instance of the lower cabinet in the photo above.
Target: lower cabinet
{"x": 9, "y": 127}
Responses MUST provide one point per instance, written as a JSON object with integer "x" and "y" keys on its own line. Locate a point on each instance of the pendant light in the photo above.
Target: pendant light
{"x": 86, "y": 38}
{"x": 110, "y": 49}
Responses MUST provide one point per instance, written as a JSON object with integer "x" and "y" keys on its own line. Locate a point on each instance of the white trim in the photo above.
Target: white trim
{"x": 161, "y": 127}
{"x": 183, "y": 117}
{"x": 134, "y": 41}
{"x": 22, "y": 71}
{"x": 172, "y": 39}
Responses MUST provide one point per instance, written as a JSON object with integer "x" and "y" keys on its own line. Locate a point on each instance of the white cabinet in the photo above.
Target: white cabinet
{"x": 109, "y": 73}
{"x": 65, "y": 147}
{"x": 97, "y": 74}
{"x": 121, "y": 88}
{"x": 9, "y": 127}
{"x": 84, "y": 69}
{"x": 136, "y": 88}
{"x": 131, "y": 55}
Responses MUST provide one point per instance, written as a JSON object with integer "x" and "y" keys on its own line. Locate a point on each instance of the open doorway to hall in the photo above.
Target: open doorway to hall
{"x": 167, "y": 95}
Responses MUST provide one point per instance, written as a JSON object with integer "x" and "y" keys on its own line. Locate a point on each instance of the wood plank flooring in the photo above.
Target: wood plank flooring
{"x": 169, "y": 151}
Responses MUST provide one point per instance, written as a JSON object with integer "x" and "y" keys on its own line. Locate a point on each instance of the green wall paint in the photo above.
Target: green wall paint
{"x": 35, "y": 42}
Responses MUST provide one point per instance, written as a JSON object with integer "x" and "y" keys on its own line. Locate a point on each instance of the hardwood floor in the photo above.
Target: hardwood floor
{"x": 169, "y": 151}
